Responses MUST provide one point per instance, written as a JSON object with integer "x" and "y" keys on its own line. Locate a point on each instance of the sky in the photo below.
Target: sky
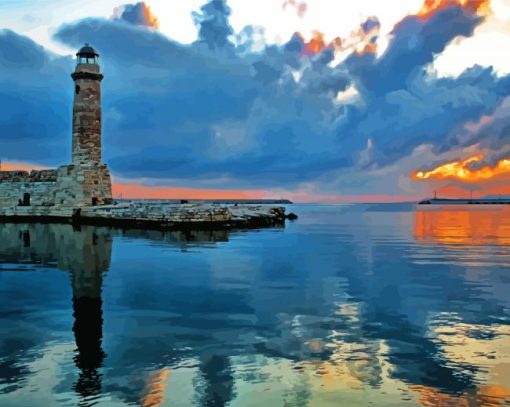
{"x": 317, "y": 100}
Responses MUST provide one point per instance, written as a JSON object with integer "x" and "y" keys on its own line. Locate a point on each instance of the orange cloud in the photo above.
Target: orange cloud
{"x": 360, "y": 41}
{"x": 137, "y": 14}
{"x": 151, "y": 18}
{"x": 480, "y": 7}
{"x": 464, "y": 171}
{"x": 367, "y": 49}
{"x": 315, "y": 45}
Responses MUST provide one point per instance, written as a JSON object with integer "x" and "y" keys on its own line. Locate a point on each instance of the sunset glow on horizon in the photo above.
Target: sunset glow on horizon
{"x": 137, "y": 191}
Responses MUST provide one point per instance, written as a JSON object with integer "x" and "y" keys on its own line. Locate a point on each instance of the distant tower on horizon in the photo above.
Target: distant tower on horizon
{"x": 87, "y": 108}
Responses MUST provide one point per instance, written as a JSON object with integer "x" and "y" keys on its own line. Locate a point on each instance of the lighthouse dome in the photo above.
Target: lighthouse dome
{"x": 87, "y": 55}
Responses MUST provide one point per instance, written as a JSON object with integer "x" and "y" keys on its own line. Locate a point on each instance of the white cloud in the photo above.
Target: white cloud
{"x": 333, "y": 18}
{"x": 487, "y": 47}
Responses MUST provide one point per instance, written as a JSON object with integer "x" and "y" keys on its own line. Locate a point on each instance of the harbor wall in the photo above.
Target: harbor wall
{"x": 152, "y": 216}
{"x": 41, "y": 193}
{"x": 68, "y": 185}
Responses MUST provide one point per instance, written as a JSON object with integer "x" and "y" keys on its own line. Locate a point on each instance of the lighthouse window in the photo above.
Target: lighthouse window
{"x": 77, "y": 89}
{"x": 87, "y": 59}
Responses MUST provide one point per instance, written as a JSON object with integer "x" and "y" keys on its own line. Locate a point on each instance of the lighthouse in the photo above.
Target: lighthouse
{"x": 87, "y": 180}
{"x": 87, "y": 79}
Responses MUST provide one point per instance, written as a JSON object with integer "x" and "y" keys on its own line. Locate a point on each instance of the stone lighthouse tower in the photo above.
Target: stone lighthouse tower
{"x": 87, "y": 108}
{"x": 87, "y": 181}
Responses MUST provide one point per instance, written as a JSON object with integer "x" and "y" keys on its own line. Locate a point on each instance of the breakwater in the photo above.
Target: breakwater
{"x": 146, "y": 215}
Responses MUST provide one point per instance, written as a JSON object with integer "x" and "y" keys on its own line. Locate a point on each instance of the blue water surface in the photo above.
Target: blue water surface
{"x": 350, "y": 305}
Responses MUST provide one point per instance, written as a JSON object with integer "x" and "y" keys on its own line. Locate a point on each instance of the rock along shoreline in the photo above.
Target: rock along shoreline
{"x": 147, "y": 215}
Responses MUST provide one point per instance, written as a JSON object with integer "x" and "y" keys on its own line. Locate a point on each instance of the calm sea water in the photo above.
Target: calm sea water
{"x": 361, "y": 305}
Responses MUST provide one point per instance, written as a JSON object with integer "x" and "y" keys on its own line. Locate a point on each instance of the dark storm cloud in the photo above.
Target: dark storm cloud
{"x": 213, "y": 110}
{"x": 491, "y": 131}
{"x": 371, "y": 23}
{"x": 429, "y": 110}
{"x": 214, "y": 27}
{"x": 404, "y": 105}
{"x": 414, "y": 44}
{"x": 35, "y": 101}
{"x": 211, "y": 113}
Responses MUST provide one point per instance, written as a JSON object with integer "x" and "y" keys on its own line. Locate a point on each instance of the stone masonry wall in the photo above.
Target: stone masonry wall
{"x": 87, "y": 116}
{"x": 98, "y": 184}
{"x": 41, "y": 193}
{"x": 83, "y": 186}
{"x": 69, "y": 185}
{"x": 25, "y": 176}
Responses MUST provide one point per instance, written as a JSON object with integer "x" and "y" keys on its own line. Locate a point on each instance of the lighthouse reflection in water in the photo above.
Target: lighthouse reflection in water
{"x": 350, "y": 305}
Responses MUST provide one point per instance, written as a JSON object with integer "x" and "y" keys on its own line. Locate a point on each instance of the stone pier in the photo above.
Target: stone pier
{"x": 148, "y": 215}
